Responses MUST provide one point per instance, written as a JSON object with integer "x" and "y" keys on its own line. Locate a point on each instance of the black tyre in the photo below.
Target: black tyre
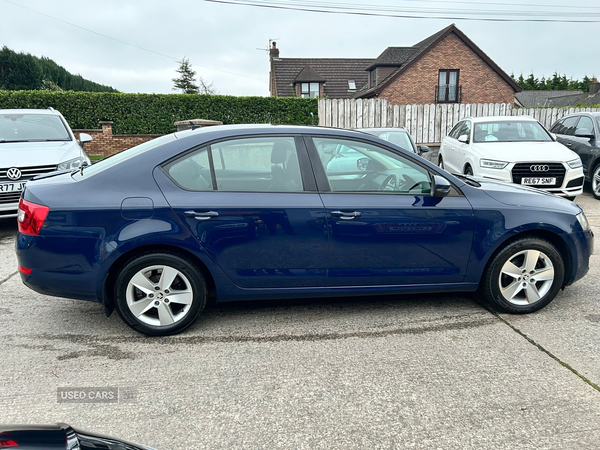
{"x": 596, "y": 182}
{"x": 468, "y": 170}
{"x": 524, "y": 276}
{"x": 440, "y": 162}
{"x": 160, "y": 294}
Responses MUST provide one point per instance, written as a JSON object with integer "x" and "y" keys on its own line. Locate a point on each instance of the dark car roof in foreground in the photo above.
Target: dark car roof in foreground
{"x": 230, "y": 130}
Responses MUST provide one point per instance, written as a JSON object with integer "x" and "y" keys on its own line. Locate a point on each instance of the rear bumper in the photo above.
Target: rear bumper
{"x": 57, "y": 269}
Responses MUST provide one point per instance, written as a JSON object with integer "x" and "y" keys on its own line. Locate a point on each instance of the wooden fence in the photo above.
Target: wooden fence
{"x": 427, "y": 124}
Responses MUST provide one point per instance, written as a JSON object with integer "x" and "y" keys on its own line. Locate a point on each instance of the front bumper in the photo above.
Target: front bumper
{"x": 571, "y": 186}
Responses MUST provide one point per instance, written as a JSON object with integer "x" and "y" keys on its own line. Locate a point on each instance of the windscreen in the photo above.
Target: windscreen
{"x": 32, "y": 128}
{"x": 510, "y": 131}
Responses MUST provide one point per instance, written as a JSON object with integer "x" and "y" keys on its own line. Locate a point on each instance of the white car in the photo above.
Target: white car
{"x": 34, "y": 142}
{"x": 512, "y": 149}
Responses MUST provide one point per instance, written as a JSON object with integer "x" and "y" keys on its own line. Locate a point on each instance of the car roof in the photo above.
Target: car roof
{"x": 502, "y": 118}
{"x": 30, "y": 111}
{"x": 266, "y": 129}
{"x": 583, "y": 113}
{"x": 368, "y": 130}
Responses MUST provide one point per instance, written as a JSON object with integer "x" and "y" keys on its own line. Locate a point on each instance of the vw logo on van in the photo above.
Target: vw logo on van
{"x": 539, "y": 168}
{"x": 13, "y": 173}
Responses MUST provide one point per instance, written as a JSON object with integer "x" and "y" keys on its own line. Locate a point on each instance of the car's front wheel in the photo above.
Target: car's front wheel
{"x": 159, "y": 294}
{"x": 596, "y": 182}
{"x": 468, "y": 170}
{"x": 524, "y": 276}
{"x": 441, "y": 162}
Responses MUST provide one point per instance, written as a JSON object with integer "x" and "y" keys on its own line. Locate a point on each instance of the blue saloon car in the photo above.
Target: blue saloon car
{"x": 257, "y": 212}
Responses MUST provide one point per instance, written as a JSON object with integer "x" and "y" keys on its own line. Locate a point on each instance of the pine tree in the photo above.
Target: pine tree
{"x": 186, "y": 82}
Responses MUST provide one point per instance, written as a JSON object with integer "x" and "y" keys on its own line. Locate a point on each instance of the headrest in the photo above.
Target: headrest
{"x": 279, "y": 152}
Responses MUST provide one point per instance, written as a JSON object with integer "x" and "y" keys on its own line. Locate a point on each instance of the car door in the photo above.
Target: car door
{"x": 448, "y": 149}
{"x": 463, "y": 148}
{"x": 565, "y": 129}
{"x": 585, "y": 147}
{"x": 384, "y": 227}
{"x": 251, "y": 203}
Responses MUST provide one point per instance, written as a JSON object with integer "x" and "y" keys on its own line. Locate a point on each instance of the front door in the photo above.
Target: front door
{"x": 384, "y": 227}
{"x": 253, "y": 209}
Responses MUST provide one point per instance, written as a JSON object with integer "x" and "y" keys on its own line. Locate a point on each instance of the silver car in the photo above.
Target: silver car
{"x": 397, "y": 136}
{"x": 34, "y": 142}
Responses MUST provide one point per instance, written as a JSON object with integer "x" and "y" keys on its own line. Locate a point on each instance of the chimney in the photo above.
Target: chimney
{"x": 274, "y": 52}
{"x": 594, "y": 86}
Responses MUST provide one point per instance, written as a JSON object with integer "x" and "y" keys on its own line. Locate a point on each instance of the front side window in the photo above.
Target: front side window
{"x": 257, "y": 164}
{"x": 309, "y": 90}
{"x": 448, "y": 86}
{"x": 454, "y": 133}
{"x": 353, "y": 166}
{"x": 32, "y": 128}
{"x": 510, "y": 131}
{"x": 567, "y": 126}
{"x": 585, "y": 123}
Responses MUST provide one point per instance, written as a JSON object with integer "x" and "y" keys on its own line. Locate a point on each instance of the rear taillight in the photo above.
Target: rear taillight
{"x": 31, "y": 217}
{"x": 8, "y": 443}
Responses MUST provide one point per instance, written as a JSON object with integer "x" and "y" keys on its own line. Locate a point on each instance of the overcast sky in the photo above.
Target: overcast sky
{"x": 226, "y": 37}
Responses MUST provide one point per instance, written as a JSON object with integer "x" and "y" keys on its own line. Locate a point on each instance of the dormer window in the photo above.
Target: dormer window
{"x": 309, "y": 90}
{"x": 351, "y": 85}
{"x": 372, "y": 78}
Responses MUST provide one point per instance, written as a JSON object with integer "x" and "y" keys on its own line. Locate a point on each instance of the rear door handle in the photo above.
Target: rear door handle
{"x": 568, "y": 144}
{"x": 201, "y": 215}
{"x": 345, "y": 215}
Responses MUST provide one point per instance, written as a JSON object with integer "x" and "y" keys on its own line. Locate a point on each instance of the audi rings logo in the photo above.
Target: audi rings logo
{"x": 13, "y": 173}
{"x": 539, "y": 168}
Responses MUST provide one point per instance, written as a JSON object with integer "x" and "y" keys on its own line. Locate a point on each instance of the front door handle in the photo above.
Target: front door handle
{"x": 345, "y": 215}
{"x": 201, "y": 215}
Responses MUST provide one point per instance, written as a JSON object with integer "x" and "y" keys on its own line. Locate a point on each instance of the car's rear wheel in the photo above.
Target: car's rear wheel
{"x": 524, "y": 276}
{"x": 468, "y": 170}
{"x": 159, "y": 294}
{"x": 441, "y": 162}
{"x": 596, "y": 182}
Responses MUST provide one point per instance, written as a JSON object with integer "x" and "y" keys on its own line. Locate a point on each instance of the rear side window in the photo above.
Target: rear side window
{"x": 257, "y": 164}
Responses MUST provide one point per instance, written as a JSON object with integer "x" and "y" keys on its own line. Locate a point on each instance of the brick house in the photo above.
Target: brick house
{"x": 446, "y": 67}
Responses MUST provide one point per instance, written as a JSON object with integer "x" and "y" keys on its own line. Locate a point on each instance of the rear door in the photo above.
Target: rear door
{"x": 251, "y": 203}
{"x": 384, "y": 227}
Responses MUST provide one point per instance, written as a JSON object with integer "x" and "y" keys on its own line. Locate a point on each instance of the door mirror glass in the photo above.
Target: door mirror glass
{"x": 362, "y": 163}
{"x": 464, "y": 138}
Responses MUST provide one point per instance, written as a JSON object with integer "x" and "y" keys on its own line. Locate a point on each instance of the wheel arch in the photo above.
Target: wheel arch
{"x": 550, "y": 236}
{"x": 108, "y": 300}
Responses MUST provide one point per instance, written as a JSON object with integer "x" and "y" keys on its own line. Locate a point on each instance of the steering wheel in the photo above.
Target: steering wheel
{"x": 389, "y": 184}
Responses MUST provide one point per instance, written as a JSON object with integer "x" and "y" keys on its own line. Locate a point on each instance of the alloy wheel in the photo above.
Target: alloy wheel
{"x": 596, "y": 181}
{"x": 526, "y": 277}
{"x": 159, "y": 295}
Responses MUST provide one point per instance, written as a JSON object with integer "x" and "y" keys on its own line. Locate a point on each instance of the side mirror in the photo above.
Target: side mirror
{"x": 423, "y": 149}
{"x": 584, "y": 133}
{"x": 84, "y": 138}
{"x": 362, "y": 163}
{"x": 553, "y": 136}
{"x": 441, "y": 186}
{"x": 464, "y": 138}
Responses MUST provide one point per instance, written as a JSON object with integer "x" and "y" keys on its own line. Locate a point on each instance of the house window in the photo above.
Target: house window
{"x": 309, "y": 90}
{"x": 448, "y": 87}
{"x": 351, "y": 85}
{"x": 372, "y": 78}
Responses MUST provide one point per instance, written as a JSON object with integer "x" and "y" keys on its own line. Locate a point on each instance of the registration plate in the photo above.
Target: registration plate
{"x": 538, "y": 181}
{"x": 12, "y": 187}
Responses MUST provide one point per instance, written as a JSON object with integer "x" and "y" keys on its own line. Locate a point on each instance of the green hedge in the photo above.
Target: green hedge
{"x": 155, "y": 113}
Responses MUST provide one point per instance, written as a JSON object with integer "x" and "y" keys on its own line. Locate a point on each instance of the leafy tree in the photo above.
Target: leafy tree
{"x": 22, "y": 71}
{"x": 556, "y": 82}
{"x": 186, "y": 82}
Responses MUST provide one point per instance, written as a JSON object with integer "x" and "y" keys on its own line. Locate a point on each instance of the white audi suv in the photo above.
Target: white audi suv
{"x": 34, "y": 142}
{"x": 513, "y": 149}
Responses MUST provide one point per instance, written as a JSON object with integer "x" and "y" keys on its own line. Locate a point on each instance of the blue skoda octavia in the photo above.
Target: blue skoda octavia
{"x": 261, "y": 211}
